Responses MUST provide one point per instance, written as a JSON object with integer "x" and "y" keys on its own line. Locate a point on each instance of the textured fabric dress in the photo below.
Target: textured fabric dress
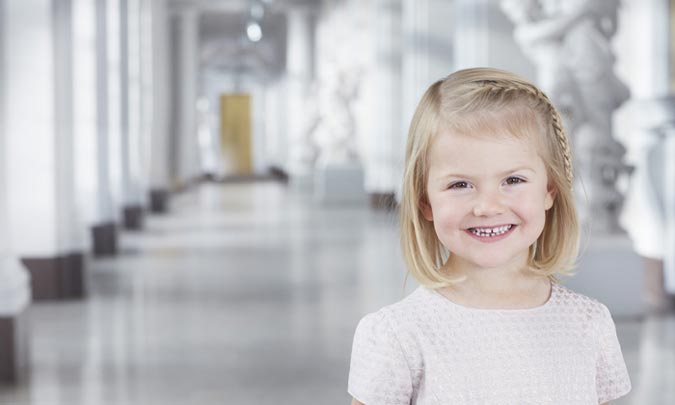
{"x": 426, "y": 349}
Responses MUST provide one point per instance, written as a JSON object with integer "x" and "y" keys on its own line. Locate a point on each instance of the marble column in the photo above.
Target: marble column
{"x": 161, "y": 94}
{"x": 299, "y": 70}
{"x": 188, "y": 70}
{"x": 383, "y": 165}
{"x": 275, "y": 129}
{"x": 669, "y": 209}
{"x": 428, "y": 53}
{"x": 647, "y": 214}
{"x": 14, "y": 279}
{"x": 133, "y": 210}
{"x": 105, "y": 228}
{"x": 472, "y": 30}
{"x": 44, "y": 219}
{"x": 650, "y": 203}
{"x": 91, "y": 123}
{"x": 115, "y": 103}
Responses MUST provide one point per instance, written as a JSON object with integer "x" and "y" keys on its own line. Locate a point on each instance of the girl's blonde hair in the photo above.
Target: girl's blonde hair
{"x": 475, "y": 102}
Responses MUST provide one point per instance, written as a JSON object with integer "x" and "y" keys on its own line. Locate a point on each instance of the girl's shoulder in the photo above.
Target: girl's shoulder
{"x": 404, "y": 315}
{"x": 415, "y": 303}
{"x": 573, "y": 301}
{"x": 393, "y": 329}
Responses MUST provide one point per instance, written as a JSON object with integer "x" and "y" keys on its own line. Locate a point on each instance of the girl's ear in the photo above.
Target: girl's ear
{"x": 551, "y": 193}
{"x": 425, "y": 208}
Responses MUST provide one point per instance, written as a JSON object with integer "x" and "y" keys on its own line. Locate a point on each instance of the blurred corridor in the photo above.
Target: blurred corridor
{"x": 244, "y": 294}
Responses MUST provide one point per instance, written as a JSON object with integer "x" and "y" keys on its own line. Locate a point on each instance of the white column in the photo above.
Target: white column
{"x": 90, "y": 116}
{"x": 161, "y": 93}
{"x": 647, "y": 212}
{"x": 85, "y": 114}
{"x": 189, "y": 166}
{"x": 472, "y": 30}
{"x": 134, "y": 152}
{"x": 669, "y": 210}
{"x": 146, "y": 98}
{"x": 647, "y": 43}
{"x": 115, "y": 102}
{"x": 415, "y": 68}
{"x": 31, "y": 126}
{"x": 39, "y": 133}
{"x": 428, "y": 43}
{"x": 14, "y": 279}
{"x": 131, "y": 110}
{"x": 415, "y": 61}
{"x": 124, "y": 164}
{"x": 70, "y": 230}
{"x": 299, "y": 67}
{"x": 383, "y": 165}
{"x": 104, "y": 200}
{"x": 429, "y": 40}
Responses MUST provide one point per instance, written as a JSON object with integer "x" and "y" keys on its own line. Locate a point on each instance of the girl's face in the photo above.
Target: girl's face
{"x": 487, "y": 198}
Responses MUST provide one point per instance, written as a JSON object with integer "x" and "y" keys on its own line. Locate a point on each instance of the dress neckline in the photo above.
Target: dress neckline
{"x": 553, "y": 294}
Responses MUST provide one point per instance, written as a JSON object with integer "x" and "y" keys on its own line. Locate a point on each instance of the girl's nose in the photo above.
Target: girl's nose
{"x": 487, "y": 205}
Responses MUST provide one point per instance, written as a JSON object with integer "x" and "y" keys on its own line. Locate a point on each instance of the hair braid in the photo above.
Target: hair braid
{"x": 564, "y": 143}
{"x": 556, "y": 121}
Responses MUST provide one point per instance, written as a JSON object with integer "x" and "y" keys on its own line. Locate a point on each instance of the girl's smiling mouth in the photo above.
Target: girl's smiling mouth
{"x": 491, "y": 234}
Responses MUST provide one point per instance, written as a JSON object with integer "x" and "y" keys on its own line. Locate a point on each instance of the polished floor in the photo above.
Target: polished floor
{"x": 247, "y": 294}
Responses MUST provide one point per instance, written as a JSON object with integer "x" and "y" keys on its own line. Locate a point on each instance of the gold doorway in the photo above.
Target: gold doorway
{"x": 235, "y": 132}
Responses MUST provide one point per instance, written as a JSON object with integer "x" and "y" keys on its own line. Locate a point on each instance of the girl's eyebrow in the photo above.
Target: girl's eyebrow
{"x": 517, "y": 169}
{"x": 466, "y": 176}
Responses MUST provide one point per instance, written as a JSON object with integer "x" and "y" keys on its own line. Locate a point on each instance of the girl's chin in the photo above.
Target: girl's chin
{"x": 492, "y": 263}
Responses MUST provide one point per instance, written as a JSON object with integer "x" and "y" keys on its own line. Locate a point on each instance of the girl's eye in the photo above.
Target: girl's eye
{"x": 514, "y": 180}
{"x": 459, "y": 184}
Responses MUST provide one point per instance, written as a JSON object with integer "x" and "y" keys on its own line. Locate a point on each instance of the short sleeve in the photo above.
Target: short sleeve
{"x": 611, "y": 379}
{"x": 379, "y": 372}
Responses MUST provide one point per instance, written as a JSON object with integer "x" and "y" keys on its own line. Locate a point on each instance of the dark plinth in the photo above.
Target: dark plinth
{"x": 383, "y": 201}
{"x": 57, "y": 278}
{"x": 159, "y": 201}
{"x": 278, "y": 174}
{"x": 133, "y": 217}
{"x": 14, "y": 348}
{"x": 657, "y": 299}
{"x": 105, "y": 239}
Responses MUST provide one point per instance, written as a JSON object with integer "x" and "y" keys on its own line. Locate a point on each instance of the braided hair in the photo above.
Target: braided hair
{"x": 556, "y": 121}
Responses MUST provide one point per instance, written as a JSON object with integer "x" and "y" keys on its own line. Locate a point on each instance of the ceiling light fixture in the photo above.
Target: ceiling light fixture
{"x": 253, "y": 31}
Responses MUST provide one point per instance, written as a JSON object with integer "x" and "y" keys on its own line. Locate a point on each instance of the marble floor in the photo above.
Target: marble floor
{"x": 247, "y": 294}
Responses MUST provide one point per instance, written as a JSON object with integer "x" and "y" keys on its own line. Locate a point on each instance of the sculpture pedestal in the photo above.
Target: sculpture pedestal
{"x": 610, "y": 271}
{"x": 340, "y": 184}
{"x": 301, "y": 182}
{"x": 14, "y": 347}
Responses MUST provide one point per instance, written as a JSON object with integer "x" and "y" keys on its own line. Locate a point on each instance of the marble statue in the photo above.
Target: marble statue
{"x": 336, "y": 134}
{"x": 649, "y": 210}
{"x": 311, "y": 123}
{"x": 570, "y": 44}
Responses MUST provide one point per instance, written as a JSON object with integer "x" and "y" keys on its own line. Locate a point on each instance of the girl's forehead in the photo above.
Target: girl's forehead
{"x": 517, "y": 119}
{"x": 506, "y": 127}
{"x": 482, "y": 142}
{"x": 482, "y": 153}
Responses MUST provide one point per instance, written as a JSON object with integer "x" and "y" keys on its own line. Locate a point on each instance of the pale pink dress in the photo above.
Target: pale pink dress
{"x": 426, "y": 349}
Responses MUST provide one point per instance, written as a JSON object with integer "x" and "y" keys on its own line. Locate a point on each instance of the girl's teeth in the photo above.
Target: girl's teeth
{"x": 499, "y": 230}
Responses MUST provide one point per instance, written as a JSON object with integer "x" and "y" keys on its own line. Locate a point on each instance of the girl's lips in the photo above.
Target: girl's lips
{"x": 490, "y": 239}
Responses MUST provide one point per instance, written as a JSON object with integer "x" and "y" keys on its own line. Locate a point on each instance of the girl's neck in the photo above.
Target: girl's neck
{"x": 512, "y": 286}
{"x": 496, "y": 279}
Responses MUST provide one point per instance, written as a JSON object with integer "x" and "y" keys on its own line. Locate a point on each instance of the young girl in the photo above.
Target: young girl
{"x": 487, "y": 221}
